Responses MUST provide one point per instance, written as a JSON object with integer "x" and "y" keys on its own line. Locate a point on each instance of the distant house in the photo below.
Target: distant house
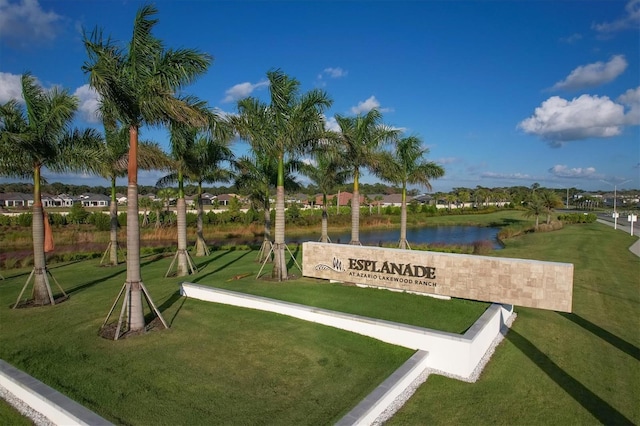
{"x": 94, "y": 200}
{"x": 121, "y": 198}
{"x": 343, "y": 197}
{"x": 425, "y": 199}
{"x": 208, "y": 199}
{"x": 190, "y": 200}
{"x": 16, "y": 199}
{"x": 394, "y": 200}
{"x": 298, "y": 199}
{"x": 224, "y": 199}
{"x": 62, "y": 200}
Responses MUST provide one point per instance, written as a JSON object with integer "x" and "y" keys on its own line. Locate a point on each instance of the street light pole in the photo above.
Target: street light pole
{"x": 615, "y": 198}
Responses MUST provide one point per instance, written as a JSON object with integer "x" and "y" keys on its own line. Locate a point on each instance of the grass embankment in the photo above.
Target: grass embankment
{"x": 556, "y": 368}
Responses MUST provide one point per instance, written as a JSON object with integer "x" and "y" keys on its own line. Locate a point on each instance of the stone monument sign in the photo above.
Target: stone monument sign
{"x": 535, "y": 284}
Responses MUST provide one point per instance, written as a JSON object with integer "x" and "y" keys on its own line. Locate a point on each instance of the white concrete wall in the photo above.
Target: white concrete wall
{"x": 450, "y": 353}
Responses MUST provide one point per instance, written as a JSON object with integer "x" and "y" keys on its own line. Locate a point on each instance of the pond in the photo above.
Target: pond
{"x": 426, "y": 235}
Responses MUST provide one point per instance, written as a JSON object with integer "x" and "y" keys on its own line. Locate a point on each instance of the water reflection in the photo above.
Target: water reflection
{"x": 426, "y": 235}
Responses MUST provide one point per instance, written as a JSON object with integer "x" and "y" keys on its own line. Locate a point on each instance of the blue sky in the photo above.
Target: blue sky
{"x": 503, "y": 93}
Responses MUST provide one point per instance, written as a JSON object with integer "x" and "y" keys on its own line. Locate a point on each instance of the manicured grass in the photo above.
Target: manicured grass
{"x": 11, "y": 416}
{"x": 216, "y": 364}
{"x": 554, "y": 368}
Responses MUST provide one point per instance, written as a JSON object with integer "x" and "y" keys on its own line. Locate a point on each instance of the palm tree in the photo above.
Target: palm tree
{"x": 361, "y": 139}
{"x": 258, "y": 176}
{"x": 550, "y": 200}
{"x": 535, "y": 208}
{"x": 141, "y": 83}
{"x": 450, "y": 198}
{"x": 114, "y": 165}
{"x": 326, "y": 173}
{"x": 464, "y": 197}
{"x": 182, "y": 140}
{"x": 288, "y": 126}
{"x": 210, "y": 151}
{"x": 409, "y": 167}
{"x": 146, "y": 203}
{"x": 37, "y": 137}
{"x": 190, "y": 161}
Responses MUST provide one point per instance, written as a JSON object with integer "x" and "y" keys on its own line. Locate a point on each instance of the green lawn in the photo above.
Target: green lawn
{"x": 11, "y": 416}
{"x": 554, "y": 368}
{"x": 225, "y": 365}
{"x": 216, "y": 364}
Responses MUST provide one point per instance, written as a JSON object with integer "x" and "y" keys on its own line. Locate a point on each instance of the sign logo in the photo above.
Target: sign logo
{"x": 337, "y": 266}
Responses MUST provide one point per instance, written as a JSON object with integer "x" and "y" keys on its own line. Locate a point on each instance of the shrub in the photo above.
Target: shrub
{"x": 10, "y": 262}
{"x": 577, "y": 218}
{"x": 251, "y": 216}
{"x": 482, "y": 247}
{"x": 77, "y": 214}
{"x": 57, "y": 219}
{"x": 24, "y": 219}
{"x": 192, "y": 220}
{"x": 5, "y": 220}
{"x": 547, "y": 227}
{"x": 101, "y": 221}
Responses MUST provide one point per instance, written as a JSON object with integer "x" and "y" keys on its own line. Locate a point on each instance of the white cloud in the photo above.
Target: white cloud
{"x": 331, "y": 124}
{"x": 506, "y": 176}
{"x": 447, "y": 160}
{"x": 10, "y": 87}
{"x": 367, "y": 105}
{"x": 24, "y": 21}
{"x": 89, "y": 104}
{"x": 593, "y": 74}
{"x": 630, "y": 20}
{"x": 335, "y": 72}
{"x": 558, "y": 120}
{"x": 572, "y": 38}
{"x": 242, "y": 90}
{"x": 562, "y": 171}
{"x": 631, "y": 99}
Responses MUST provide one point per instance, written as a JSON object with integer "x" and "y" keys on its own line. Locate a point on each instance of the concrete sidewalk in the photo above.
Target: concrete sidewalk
{"x": 635, "y": 247}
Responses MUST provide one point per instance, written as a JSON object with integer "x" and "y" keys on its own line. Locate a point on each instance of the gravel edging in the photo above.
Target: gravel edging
{"x": 475, "y": 375}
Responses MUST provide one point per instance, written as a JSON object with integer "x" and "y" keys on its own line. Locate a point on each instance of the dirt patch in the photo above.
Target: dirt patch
{"x": 109, "y": 330}
{"x": 31, "y": 303}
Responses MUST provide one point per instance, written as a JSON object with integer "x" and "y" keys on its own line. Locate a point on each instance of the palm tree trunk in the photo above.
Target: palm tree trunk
{"x": 201, "y": 244}
{"x": 181, "y": 210}
{"x": 113, "y": 219}
{"x": 355, "y": 212}
{"x": 266, "y": 242}
{"x": 325, "y": 237}
{"x": 279, "y": 262}
{"x": 41, "y": 289}
{"x": 403, "y": 219}
{"x": 136, "y": 313}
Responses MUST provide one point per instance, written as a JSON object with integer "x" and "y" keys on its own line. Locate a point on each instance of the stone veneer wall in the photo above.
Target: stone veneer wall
{"x": 536, "y": 284}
